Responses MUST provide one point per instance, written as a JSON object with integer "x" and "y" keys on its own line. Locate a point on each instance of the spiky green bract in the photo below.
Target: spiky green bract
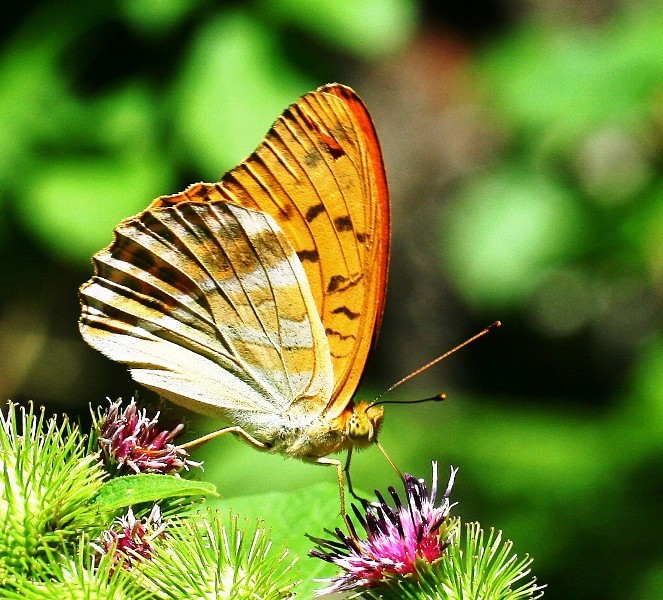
{"x": 46, "y": 483}
{"x": 481, "y": 566}
{"x": 77, "y": 577}
{"x": 201, "y": 557}
{"x": 474, "y": 566}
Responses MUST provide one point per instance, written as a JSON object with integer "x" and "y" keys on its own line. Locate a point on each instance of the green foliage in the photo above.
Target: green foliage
{"x": 567, "y": 209}
{"x": 154, "y": 17}
{"x": 57, "y": 539}
{"x": 71, "y": 162}
{"x": 55, "y": 507}
{"x": 564, "y": 81}
{"x": 508, "y": 223}
{"x": 148, "y": 488}
{"x": 481, "y": 566}
{"x": 369, "y": 28}
{"x": 220, "y": 116}
{"x": 562, "y": 233}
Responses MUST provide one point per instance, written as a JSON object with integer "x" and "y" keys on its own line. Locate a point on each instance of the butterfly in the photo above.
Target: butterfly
{"x": 257, "y": 300}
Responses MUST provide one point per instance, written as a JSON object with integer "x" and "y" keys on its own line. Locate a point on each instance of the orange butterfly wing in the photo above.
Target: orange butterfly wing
{"x": 319, "y": 173}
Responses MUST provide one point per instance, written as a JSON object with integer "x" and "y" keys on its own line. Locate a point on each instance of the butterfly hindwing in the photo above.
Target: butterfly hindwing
{"x": 208, "y": 304}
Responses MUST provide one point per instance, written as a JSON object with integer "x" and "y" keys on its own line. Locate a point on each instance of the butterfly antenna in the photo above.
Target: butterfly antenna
{"x": 428, "y": 365}
{"x": 436, "y": 398}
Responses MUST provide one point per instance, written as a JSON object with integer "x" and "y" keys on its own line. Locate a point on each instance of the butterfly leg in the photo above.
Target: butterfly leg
{"x": 238, "y": 431}
{"x": 323, "y": 460}
{"x": 346, "y": 469}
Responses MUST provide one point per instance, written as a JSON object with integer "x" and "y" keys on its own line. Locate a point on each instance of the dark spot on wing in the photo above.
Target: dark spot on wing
{"x": 308, "y": 255}
{"x": 326, "y": 137}
{"x": 340, "y": 282}
{"x": 344, "y": 310}
{"x": 343, "y": 223}
{"x": 310, "y": 123}
{"x": 201, "y": 192}
{"x": 333, "y": 147}
{"x": 138, "y": 256}
{"x": 167, "y": 274}
{"x": 361, "y": 237}
{"x": 335, "y": 282}
{"x": 312, "y": 157}
{"x": 313, "y": 212}
{"x": 332, "y": 332}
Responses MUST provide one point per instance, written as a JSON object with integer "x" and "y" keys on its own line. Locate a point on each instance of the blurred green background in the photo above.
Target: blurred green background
{"x": 523, "y": 144}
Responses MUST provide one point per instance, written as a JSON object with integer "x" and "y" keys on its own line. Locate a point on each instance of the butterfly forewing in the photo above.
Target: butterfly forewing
{"x": 208, "y": 304}
{"x": 319, "y": 173}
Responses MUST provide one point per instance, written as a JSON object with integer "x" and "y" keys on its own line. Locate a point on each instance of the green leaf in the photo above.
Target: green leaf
{"x": 147, "y": 487}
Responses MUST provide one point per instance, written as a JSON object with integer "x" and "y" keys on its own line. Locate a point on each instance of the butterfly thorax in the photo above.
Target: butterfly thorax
{"x": 357, "y": 426}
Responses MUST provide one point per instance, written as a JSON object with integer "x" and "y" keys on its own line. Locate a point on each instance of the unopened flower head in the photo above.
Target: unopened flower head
{"x": 398, "y": 538}
{"x": 131, "y": 440}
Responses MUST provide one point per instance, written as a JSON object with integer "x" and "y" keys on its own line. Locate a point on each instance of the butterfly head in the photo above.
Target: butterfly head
{"x": 362, "y": 423}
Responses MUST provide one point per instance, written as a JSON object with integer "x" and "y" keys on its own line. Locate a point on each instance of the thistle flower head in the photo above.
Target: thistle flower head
{"x": 398, "y": 539}
{"x": 130, "y": 440}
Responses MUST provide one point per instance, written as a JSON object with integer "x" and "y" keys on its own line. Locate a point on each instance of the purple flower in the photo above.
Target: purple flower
{"x": 129, "y": 439}
{"x": 398, "y": 539}
{"x": 130, "y": 539}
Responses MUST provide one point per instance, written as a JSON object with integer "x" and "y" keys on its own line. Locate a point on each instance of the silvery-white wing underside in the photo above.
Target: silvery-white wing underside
{"x": 209, "y": 305}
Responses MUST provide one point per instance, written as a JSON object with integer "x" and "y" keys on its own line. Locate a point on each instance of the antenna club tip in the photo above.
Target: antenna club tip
{"x": 495, "y": 325}
{"x": 440, "y": 397}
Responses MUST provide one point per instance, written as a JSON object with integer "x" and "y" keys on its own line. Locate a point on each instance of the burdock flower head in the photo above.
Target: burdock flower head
{"x": 130, "y": 440}
{"x": 130, "y": 540}
{"x": 399, "y": 540}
